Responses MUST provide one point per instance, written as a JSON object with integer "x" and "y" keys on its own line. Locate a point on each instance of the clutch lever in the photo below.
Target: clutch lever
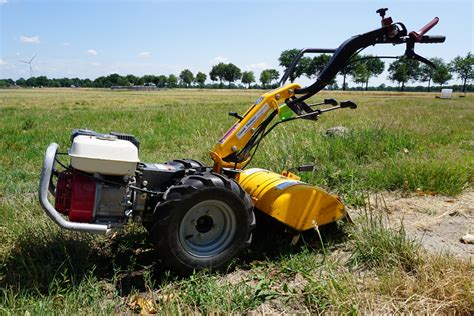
{"x": 422, "y": 59}
{"x": 410, "y": 53}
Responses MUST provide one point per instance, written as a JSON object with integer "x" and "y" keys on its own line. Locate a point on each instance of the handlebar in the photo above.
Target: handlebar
{"x": 417, "y": 36}
{"x": 393, "y": 33}
{"x": 432, "y": 39}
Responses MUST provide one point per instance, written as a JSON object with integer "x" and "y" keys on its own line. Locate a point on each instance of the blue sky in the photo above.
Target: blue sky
{"x": 82, "y": 38}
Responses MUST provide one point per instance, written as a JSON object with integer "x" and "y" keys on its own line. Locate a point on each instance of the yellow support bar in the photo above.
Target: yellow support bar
{"x": 241, "y": 132}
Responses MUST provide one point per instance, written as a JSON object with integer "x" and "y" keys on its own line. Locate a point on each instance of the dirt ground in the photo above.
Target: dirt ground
{"x": 438, "y": 222}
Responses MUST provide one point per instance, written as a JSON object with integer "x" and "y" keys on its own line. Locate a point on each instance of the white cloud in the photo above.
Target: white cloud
{"x": 144, "y": 54}
{"x": 258, "y": 66}
{"x": 3, "y": 2}
{"x": 218, "y": 59}
{"x": 29, "y": 39}
{"x": 66, "y": 44}
{"x": 91, "y": 52}
{"x": 5, "y": 65}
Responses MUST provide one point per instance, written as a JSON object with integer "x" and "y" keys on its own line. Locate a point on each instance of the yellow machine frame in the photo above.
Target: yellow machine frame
{"x": 290, "y": 201}
{"x": 239, "y": 134}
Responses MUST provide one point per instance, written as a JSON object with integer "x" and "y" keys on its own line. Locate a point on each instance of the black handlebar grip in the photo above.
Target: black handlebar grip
{"x": 431, "y": 39}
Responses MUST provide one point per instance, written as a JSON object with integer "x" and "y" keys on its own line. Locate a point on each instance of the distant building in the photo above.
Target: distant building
{"x": 136, "y": 88}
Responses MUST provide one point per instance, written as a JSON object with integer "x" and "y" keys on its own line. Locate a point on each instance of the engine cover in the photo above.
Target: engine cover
{"x": 105, "y": 154}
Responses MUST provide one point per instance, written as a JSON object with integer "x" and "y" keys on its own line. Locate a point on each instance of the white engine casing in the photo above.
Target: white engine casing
{"x": 103, "y": 154}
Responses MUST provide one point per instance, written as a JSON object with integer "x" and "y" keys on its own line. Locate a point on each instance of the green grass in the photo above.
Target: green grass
{"x": 398, "y": 142}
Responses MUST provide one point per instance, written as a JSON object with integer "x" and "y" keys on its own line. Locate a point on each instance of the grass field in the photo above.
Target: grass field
{"x": 398, "y": 142}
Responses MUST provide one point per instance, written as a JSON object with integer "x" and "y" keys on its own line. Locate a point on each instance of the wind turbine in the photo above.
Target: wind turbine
{"x": 29, "y": 63}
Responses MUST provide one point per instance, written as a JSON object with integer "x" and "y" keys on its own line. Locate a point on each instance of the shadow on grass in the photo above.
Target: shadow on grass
{"x": 60, "y": 259}
{"x": 64, "y": 258}
{"x": 272, "y": 239}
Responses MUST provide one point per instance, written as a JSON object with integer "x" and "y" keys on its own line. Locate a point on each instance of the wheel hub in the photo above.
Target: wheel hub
{"x": 204, "y": 224}
{"x": 207, "y": 228}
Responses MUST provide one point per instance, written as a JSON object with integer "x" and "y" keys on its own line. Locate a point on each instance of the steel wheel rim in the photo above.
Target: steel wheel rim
{"x": 207, "y": 228}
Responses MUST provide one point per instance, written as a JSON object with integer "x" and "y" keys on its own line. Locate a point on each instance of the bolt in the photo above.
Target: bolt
{"x": 145, "y": 183}
{"x": 234, "y": 148}
{"x": 277, "y": 96}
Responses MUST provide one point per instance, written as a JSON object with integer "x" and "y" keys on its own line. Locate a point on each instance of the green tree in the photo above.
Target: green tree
{"x": 232, "y": 73}
{"x": 87, "y": 83}
{"x": 375, "y": 67}
{"x": 464, "y": 68}
{"x": 268, "y": 75}
{"x": 248, "y": 77}
{"x": 218, "y": 73}
{"x": 172, "y": 81}
{"x": 402, "y": 70}
{"x": 21, "y": 82}
{"x": 287, "y": 56}
{"x": 186, "y": 77}
{"x": 99, "y": 82}
{"x": 133, "y": 80}
{"x": 116, "y": 80}
{"x": 316, "y": 65}
{"x": 31, "y": 82}
{"x": 265, "y": 78}
{"x": 147, "y": 79}
{"x": 55, "y": 83}
{"x": 441, "y": 74}
{"x": 360, "y": 74}
{"x": 274, "y": 75}
{"x": 160, "y": 81}
{"x": 426, "y": 71}
{"x": 42, "y": 81}
{"x": 348, "y": 69}
{"x": 200, "y": 79}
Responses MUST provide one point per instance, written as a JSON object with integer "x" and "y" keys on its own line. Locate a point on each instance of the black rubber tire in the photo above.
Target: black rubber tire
{"x": 179, "y": 199}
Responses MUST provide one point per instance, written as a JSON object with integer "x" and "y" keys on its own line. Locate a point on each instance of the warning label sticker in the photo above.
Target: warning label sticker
{"x": 247, "y": 126}
{"x": 286, "y": 184}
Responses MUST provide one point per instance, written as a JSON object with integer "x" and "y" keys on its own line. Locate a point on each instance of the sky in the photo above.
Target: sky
{"x": 87, "y": 39}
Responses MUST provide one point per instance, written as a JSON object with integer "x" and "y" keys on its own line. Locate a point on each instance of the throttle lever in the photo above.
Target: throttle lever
{"x": 236, "y": 115}
{"x": 417, "y": 36}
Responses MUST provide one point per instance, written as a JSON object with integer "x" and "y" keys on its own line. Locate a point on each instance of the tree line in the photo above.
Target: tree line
{"x": 361, "y": 68}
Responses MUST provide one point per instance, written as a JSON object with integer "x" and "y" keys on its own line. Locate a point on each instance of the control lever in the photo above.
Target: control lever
{"x": 348, "y": 104}
{"x": 330, "y": 101}
{"x": 385, "y": 21}
{"x": 410, "y": 53}
{"x": 382, "y": 12}
{"x": 417, "y": 36}
{"x": 422, "y": 59}
{"x": 236, "y": 115}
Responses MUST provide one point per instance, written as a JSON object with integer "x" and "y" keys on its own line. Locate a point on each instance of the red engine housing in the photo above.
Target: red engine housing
{"x": 75, "y": 196}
